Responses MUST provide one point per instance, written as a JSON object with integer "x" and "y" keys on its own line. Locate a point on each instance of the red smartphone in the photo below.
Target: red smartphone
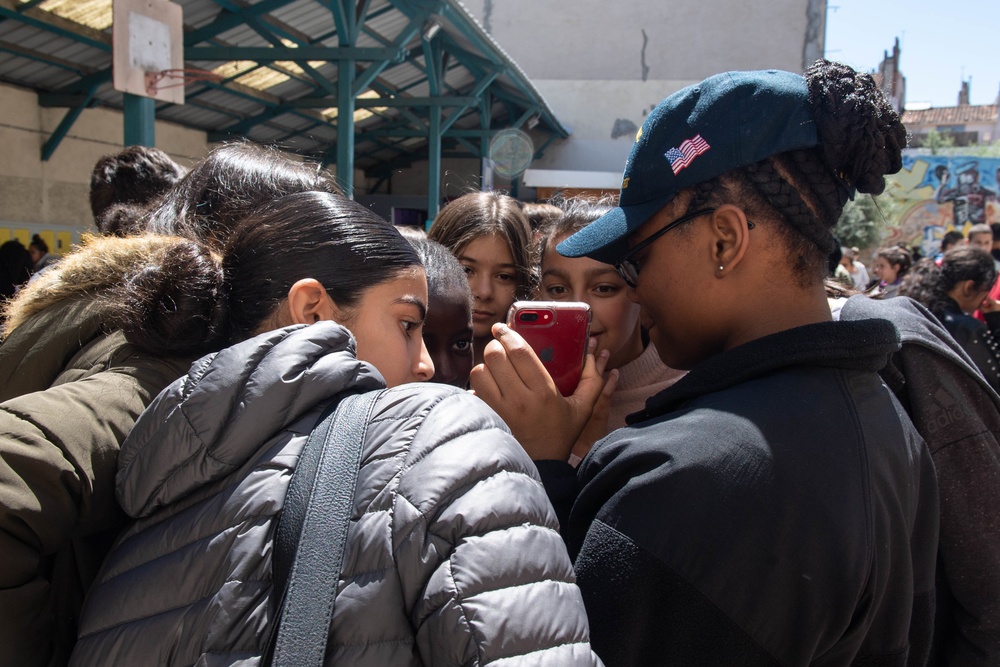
{"x": 557, "y": 331}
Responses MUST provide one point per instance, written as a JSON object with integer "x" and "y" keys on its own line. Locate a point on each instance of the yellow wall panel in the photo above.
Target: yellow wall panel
{"x": 49, "y": 238}
{"x": 64, "y": 242}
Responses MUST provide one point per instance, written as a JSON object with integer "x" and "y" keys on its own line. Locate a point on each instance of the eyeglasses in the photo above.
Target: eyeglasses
{"x": 628, "y": 268}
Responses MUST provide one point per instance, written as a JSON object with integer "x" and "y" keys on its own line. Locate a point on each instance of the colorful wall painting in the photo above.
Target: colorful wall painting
{"x": 941, "y": 193}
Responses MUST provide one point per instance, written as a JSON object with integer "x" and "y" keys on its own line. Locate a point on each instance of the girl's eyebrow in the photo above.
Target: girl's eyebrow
{"x": 408, "y": 300}
{"x": 602, "y": 271}
{"x": 470, "y": 260}
{"x": 590, "y": 273}
{"x": 555, "y": 272}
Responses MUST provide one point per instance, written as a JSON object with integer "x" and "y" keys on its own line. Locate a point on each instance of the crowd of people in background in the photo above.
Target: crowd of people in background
{"x": 775, "y": 454}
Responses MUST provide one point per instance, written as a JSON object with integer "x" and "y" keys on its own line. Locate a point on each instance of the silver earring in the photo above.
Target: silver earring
{"x": 721, "y": 267}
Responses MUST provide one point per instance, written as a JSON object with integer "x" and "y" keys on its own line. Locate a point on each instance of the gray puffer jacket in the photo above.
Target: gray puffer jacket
{"x": 453, "y": 556}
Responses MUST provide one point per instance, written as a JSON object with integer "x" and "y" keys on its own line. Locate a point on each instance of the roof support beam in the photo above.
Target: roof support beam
{"x": 366, "y": 78}
{"x": 360, "y": 14}
{"x": 477, "y": 92}
{"x": 528, "y": 113}
{"x": 541, "y": 150}
{"x": 469, "y": 147}
{"x": 475, "y": 64}
{"x": 414, "y": 120}
{"x": 434, "y": 59}
{"x": 342, "y": 19}
{"x": 263, "y": 54}
{"x": 227, "y": 20}
{"x": 49, "y": 100}
{"x": 406, "y": 133}
{"x": 265, "y": 32}
{"x": 381, "y": 179}
{"x": 485, "y": 122}
{"x": 40, "y": 57}
{"x": 242, "y": 127}
{"x": 52, "y": 143}
{"x": 374, "y": 102}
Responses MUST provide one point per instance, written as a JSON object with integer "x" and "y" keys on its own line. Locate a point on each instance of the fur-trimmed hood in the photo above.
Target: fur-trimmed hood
{"x": 97, "y": 269}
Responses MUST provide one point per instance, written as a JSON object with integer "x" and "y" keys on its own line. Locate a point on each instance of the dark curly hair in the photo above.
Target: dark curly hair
{"x": 861, "y": 140}
{"x": 232, "y": 182}
{"x": 137, "y": 175}
{"x": 571, "y": 215}
{"x": 931, "y": 284}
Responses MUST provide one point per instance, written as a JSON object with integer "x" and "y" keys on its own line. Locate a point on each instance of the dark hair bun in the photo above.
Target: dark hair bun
{"x": 120, "y": 219}
{"x": 173, "y": 306}
{"x": 862, "y": 135}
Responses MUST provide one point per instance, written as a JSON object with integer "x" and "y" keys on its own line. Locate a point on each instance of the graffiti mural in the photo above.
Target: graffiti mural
{"x": 941, "y": 193}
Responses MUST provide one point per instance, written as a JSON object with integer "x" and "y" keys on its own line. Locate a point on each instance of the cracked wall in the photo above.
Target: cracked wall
{"x": 814, "y": 45}
{"x": 601, "y": 66}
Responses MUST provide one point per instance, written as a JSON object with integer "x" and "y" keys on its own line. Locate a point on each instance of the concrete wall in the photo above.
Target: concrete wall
{"x": 630, "y": 40}
{"x": 603, "y": 66}
{"x": 52, "y": 196}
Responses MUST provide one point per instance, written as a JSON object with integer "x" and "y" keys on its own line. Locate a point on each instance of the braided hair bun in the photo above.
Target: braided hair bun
{"x": 861, "y": 134}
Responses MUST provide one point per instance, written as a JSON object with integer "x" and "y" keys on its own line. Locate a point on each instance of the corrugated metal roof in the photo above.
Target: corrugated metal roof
{"x": 292, "y": 100}
{"x": 91, "y": 13}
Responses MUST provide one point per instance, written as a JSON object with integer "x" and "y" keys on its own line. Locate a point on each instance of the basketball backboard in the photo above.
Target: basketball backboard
{"x": 147, "y": 41}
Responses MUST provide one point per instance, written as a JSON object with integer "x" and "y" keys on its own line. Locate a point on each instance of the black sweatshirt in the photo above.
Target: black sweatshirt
{"x": 773, "y": 507}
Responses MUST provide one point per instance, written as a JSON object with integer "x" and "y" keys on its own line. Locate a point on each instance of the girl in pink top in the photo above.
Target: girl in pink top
{"x": 616, "y": 325}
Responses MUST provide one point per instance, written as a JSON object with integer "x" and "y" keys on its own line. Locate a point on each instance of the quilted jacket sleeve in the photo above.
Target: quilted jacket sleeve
{"x": 484, "y": 571}
{"x": 58, "y": 451}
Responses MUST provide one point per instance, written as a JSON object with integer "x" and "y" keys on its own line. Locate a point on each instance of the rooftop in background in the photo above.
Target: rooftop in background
{"x": 279, "y": 63}
{"x": 951, "y": 115}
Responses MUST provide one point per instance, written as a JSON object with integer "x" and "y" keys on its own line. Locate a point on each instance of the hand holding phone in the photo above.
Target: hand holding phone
{"x": 558, "y": 332}
{"x": 546, "y": 423}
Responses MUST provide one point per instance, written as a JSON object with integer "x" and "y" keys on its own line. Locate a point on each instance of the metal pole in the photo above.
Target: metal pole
{"x": 140, "y": 120}
{"x": 345, "y": 125}
{"x": 434, "y": 165}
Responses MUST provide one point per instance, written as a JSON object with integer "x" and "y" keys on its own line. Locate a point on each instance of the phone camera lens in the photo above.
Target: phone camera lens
{"x": 529, "y": 317}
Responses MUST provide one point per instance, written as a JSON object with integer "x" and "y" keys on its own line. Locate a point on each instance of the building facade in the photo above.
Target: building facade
{"x": 603, "y": 67}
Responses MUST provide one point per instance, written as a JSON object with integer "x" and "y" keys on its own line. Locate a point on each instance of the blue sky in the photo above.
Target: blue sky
{"x": 940, "y": 42}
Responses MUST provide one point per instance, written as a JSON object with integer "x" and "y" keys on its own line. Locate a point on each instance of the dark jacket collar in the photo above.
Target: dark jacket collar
{"x": 863, "y": 345}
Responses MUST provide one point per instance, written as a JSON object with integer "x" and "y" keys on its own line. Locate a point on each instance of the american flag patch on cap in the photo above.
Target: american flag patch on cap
{"x": 689, "y": 149}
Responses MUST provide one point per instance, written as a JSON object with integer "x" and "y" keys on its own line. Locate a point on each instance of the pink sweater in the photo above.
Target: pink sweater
{"x": 638, "y": 380}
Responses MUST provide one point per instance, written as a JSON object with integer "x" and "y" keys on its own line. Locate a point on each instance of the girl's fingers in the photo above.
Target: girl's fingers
{"x": 485, "y": 386}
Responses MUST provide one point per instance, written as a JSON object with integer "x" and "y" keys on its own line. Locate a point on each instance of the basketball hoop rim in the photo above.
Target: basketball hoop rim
{"x": 185, "y": 75}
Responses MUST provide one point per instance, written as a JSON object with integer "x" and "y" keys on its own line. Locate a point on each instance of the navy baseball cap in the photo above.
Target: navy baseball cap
{"x": 727, "y": 121}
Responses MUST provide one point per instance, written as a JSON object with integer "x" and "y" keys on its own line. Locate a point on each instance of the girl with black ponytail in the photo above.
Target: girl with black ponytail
{"x": 953, "y": 291}
{"x": 452, "y": 543}
{"x": 775, "y": 505}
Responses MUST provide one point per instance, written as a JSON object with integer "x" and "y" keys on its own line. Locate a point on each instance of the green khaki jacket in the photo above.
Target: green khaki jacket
{"x": 69, "y": 395}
